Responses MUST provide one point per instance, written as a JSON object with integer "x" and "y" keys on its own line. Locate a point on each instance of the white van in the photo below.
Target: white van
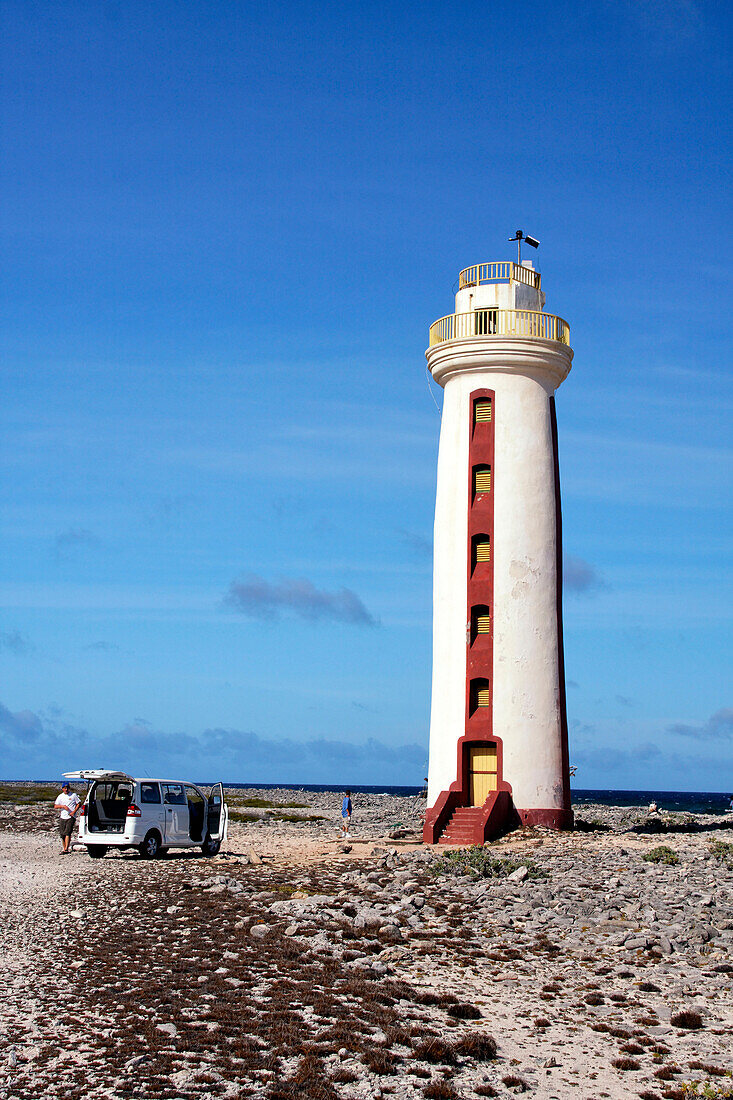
{"x": 149, "y": 814}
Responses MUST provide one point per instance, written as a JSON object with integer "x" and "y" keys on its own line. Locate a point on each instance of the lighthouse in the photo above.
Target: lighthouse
{"x": 498, "y": 724}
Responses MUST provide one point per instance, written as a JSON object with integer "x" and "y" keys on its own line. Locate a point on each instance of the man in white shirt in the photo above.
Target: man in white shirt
{"x": 67, "y": 804}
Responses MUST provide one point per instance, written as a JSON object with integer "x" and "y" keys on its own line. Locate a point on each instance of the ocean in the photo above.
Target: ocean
{"x": 692, "y": 802}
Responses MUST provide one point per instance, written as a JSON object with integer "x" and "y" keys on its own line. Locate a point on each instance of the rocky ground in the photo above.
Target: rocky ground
{"x": 569, "y": 965}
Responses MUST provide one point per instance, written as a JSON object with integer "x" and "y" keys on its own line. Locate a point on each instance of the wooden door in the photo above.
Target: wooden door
{"x": 483, "y": 772}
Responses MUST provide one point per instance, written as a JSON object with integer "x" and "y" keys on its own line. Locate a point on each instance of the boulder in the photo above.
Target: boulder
{"x": 368, "y": 917}
{"x": 299, "y": 906}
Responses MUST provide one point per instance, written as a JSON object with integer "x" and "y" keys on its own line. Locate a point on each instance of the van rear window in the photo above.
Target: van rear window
{"x": 112, "y": 790}
{"x": 149, "y": 792}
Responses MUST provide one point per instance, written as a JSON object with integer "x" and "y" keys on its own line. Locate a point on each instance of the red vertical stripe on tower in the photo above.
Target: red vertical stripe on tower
{"x": 480, "y": 566}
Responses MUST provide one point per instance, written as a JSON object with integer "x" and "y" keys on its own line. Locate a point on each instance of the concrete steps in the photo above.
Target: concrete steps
{"x": 463, "y": 826}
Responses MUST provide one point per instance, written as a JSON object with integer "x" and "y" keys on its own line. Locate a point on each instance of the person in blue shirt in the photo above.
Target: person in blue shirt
{"x": 346, "y": 815}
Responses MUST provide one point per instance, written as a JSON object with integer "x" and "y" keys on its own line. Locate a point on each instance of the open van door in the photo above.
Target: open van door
{"x": 218, "y": 815}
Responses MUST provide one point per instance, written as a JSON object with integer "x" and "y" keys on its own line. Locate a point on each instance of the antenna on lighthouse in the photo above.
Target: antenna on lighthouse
{"x": 519, "y": 237}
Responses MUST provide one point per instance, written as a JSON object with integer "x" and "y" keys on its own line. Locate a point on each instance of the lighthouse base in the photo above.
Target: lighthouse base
{"x": 450, "y": 821}
{"x": 548, "y": 819}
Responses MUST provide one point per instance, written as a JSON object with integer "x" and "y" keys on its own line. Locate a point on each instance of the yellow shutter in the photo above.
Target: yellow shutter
{"x": 483, "y": 551}
{"x": 483, "y": 623}
{"x": 482, "y": 697}
{"x": 482, "y": 479}
{"x": 482, "y": 412}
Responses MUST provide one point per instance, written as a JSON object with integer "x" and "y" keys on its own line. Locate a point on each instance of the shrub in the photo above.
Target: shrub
{"x": 264, "y": 804}
{"x": 517, "y": 1083}
{"x": 464, "y": 1012}
{"x": 670, "y": 823}
{"x": 344, "y": 1077}
{"x": 479, "y": 862}
{"x": 595, "y": 825}
{"x": 692, "y": 1021}
{"x": 712, "y": 1071}
{"x": 626, "y": 1063}
{"x": 397, "y": 1035}
{"x": 723, "y": 851}
{"x": 437, "y": 1051}
{"x": 478, "y": 1045}
{"x": 295, "y": 817}
{"x": 706, "y": 1090}
{"x": 443, "y": 999}
{"x": 661, "y": 854}
{"x": 440, "y": 1090}
{"x": 28, "y": 793}
{"x": 382, "y": 1061}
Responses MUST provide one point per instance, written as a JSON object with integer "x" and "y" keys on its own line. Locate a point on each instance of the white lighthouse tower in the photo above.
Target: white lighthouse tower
{"x": 498, "y": 727}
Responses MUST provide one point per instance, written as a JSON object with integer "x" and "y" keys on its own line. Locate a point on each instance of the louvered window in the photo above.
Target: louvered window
{"x": 480, "y": 694}
{"x": 482, "y": 411}
{"x": 483, "y": 550}
{"x": 480, "y": 622}
{"x": 483, "y": 623}
{"x": 482, "y": 479}
{"x": 480, "y": 551}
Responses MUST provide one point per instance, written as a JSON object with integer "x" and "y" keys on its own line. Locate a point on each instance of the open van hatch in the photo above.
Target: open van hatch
{"x": 108, "y": 802}
{"x": 98, "y": 773}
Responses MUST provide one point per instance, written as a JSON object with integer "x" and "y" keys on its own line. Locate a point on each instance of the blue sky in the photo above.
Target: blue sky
{"x": 226, "y": 228}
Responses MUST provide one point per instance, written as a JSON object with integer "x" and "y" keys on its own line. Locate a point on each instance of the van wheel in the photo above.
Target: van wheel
{"x": 150, "y": 847}
{"x": 96, "y": 851}
{"x": 210, "y": 847}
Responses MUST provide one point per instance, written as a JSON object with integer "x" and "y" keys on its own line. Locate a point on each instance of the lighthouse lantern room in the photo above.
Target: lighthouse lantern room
{"x": 498, "y": 726}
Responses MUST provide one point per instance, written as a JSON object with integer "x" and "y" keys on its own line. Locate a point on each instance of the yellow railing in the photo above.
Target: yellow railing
{"x": 500, "y": 322}
{"x": 502, "y": 271}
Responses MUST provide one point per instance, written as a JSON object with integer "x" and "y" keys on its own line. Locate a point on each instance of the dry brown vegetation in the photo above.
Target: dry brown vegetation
{"x": 236, "y": 1010}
